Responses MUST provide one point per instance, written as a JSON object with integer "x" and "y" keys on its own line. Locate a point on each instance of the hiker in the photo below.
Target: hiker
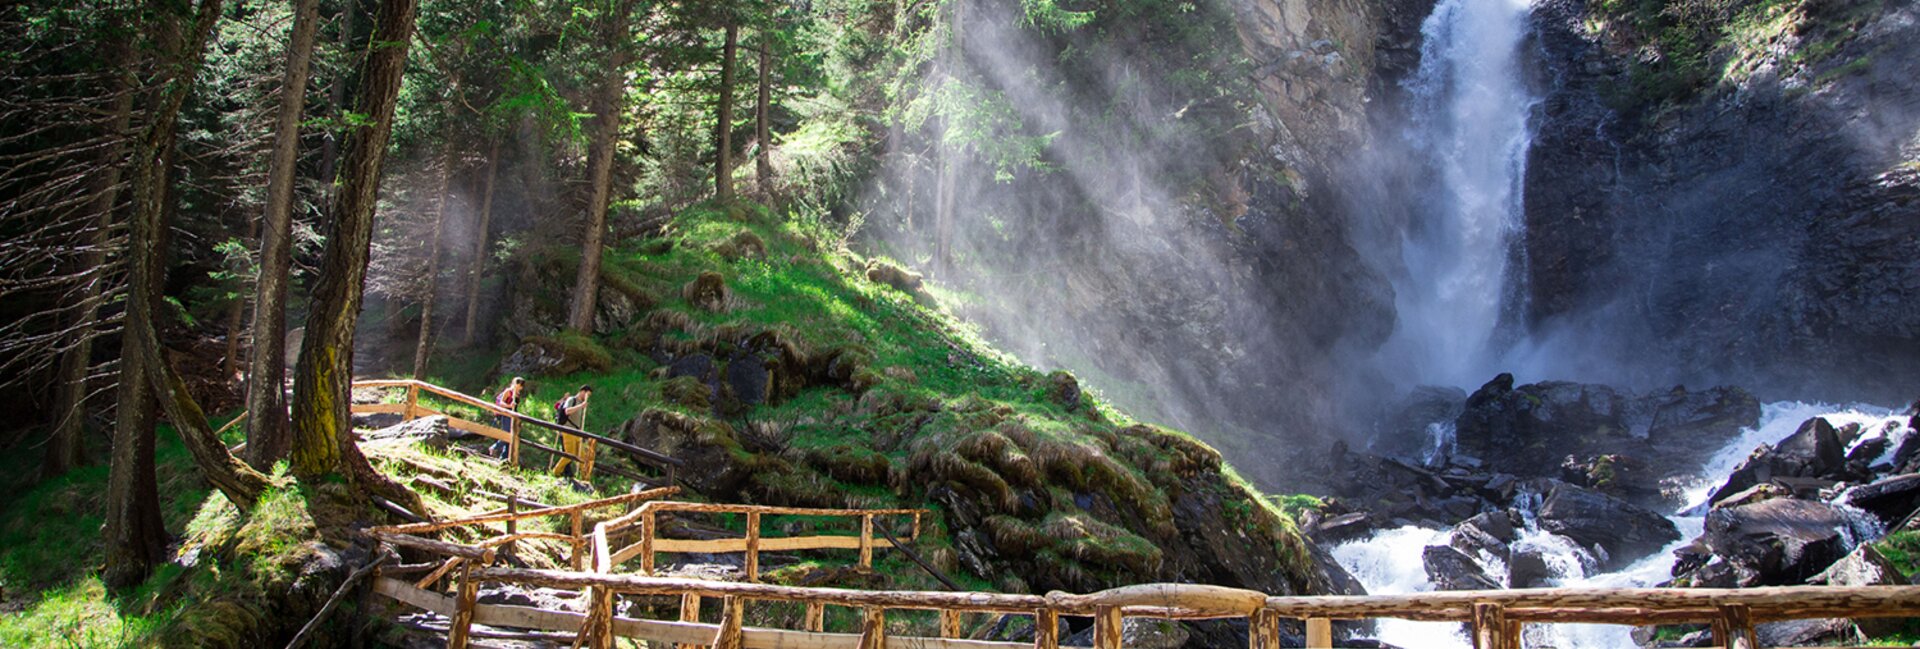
{"x": 508, "y": 399}
{"x": 566, "y": 413}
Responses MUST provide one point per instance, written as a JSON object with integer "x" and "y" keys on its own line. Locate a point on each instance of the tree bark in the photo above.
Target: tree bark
{"x": 479, "y": 262}
{"x": 135, "y": 537}
{"x": 763, "y": 133}
{"x": 723, "y": 160}
{"x": 67, "y": 448}
{"x": 609, "y": 102}
{"x": 337, "y": 97}
{"x": 323, "y": 441}
{"x": 267, "y": 433}
{"x": 423, "y": 349}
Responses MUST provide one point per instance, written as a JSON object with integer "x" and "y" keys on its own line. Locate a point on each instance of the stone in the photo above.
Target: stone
{"x": 1778, "y": 542}
{"x": 1807, "y": 633}
{"x": 1063, "y": 389}
{"x": 1865, "y": 566}
{"x": 1624, "y": 530}
{"x": 1140, "y": 632}
{"x": 1402, "y": 431}
{"x": 431, "y": 427}
{"x": 1470, "y": 539}
{"x": 901, "y": 279}
{"x": 1812, "y": 451}
{"x": 1344, "y": 527}
{"x": 1528, "y": 569}
{"x": 1890, "y": 499}
{"x": 1754, "y": 494}
{"x": 1451, "y": 569}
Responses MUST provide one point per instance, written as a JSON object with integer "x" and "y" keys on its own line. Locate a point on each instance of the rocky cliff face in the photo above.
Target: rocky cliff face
{"x": 1761, "y": 228}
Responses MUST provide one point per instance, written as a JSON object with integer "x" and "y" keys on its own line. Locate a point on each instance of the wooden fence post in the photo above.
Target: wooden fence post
{"x": 413, "y": 401}
{"x": 1734, "y": 629}
{"x": 513, "y": 441}
{"x": 586, "y": 464}
{"x": 915, "y": 535}
{"x": 949, "y": 623}
{"x": 462, "y": 622}
{"x": 1319, "y": 632}
{"x": 689, "y": 612}
{"x": 753, "y": 546}
{"x": 600, "y": 618}
{"x": 1490, "y": 626}
{"x": 1046, "y": 629}
{"x": 728, "y": 637}
{"x": 873, "y": 628}
{"x": 648, "y": 529}
{"x": 816, "y": 617}
{"x": 1107, "y": 626}
{"x": 579, "y": 543}
{"x": 1263, "y": 630}
{"x": 866, "y": 541}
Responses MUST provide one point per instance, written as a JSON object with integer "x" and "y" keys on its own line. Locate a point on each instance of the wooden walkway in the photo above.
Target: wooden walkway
{"x": 1496, "y": 618}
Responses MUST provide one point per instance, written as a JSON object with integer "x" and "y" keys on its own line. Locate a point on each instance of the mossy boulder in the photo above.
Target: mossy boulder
{"x": 901, "y": 279}
{"x": 707, "y": 292}
{"x": 745, "y": 245}
{"x": 557, "y": 355}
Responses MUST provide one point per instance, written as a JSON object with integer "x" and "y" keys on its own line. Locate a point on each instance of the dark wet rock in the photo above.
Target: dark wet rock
{"x": 1754, "y": 494}
{"x": 748, "y": 380}
{"x": 1807, "y": 633}
{"x": 1778, "y": 542}
{"x": 1403, "y": 431}
{"x": 1812, "y": 451}
{"x": 1469, "y": 538}
{"x": 1528, "y": 569}
{"x": 1451, "y": 569}
{"x": 1502, "y": 525}
{"x": 1338, "y": 529}
{"x": 1890, "y": 499}
{"x": 1063, "y": 389}
{"x": 1626, "y": 532}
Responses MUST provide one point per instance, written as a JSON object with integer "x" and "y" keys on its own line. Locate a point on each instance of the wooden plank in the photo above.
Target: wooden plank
{"x": 418, "y": 528}
{"x": 769, "y": 510}
{"x": 482, "y": 430}
{"x": 690, "y": 612}
{"x": 427, "y": 581}
{"x": 949, "y": 624}
{"x": 873, "y": 628}
{"x": 410, "y": 595}
{"x": 767, "y": 544}
{"x": 483, "y": 555}
{"x": 1107, "y": 625}
{"x": 1319, "y": 631}
{"x": 378, "y": 408}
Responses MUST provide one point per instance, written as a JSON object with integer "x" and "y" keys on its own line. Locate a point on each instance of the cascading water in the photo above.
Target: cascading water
{"x": 1470, "y": 120}
{"x": 1389, "y": 562}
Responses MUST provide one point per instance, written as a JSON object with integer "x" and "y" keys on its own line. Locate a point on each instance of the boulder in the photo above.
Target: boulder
{"x": 881, "y": 272}
{"x": 1807, "y": 633}
{"x": 707, "y": 292}
{"x": 1812, "y": 451}
{"x": 1865, "y": 566}
{"x": 1889, "y": 499}
{"x": 1140, "y": 633}
{"x": 1334, "y": 530}
{"x": 1451, "y": 569}
{"x": 1063, "y": 389}
{"x": 1754, "y": 494}
{"x": 1529, "y": 569}
{"x": 543, "y": 356}
{"x": 1624, "y": 531}
{"x": 1470, "y": 539}
{"x": 1778, "y": 542}
{"x": 1698, "y": 423}
{"x": 430, "y": 428}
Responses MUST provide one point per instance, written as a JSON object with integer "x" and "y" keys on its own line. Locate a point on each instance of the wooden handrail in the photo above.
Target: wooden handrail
{"x": 651, "y": 456}
{"x": 752, "y": 543}
{"x": 498, "y": 517}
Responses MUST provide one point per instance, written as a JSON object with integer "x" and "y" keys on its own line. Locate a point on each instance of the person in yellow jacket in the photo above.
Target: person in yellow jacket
{"x": 571, "y": 411}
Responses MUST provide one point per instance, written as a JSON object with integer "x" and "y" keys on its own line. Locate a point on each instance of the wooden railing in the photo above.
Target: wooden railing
{"x": 514, "y": 435}
{"x": 752, "y": 542}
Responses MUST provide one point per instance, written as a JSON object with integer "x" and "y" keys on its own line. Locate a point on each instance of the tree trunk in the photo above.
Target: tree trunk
{"x": 723, "y": 160}
{"x": 609, "y": 104}
{"x": 68, "y": 449}
{"x": 337, "y": 97}
{"x": 763, "y": 133}
{"x": 135, "y": 537}
{"x": 423, "y": 350}
{"x": 479, "y": 262}
{"x": 323, "y": 439}
{"x": 267, "y": 434}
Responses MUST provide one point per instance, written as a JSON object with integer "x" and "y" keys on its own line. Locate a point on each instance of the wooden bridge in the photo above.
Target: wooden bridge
{"x": 1495, "y": 618}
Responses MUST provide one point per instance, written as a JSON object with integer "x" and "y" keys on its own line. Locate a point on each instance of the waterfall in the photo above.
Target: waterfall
{"x": 1389, "y": 562}
{"x": 1469, "y": 120}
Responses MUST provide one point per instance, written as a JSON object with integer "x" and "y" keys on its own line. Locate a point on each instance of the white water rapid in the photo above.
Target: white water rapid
{"x": 1470, "y": 120}
{"x": 1389, "y": 562}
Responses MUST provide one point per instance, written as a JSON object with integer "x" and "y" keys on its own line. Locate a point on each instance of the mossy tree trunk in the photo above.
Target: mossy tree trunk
{"x": 323, "y": 441}
{"x": 723, "y": 158}
{"x": 609, "y": 103}
{"x": 267, "y": 432}
{"x": 134, "y": 537}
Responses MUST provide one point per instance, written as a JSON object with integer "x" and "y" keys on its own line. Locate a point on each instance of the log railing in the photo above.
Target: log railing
{"x": 753, "y": 541}
{"x": 515, "y": 434}
{"x": 1495, "y": 617}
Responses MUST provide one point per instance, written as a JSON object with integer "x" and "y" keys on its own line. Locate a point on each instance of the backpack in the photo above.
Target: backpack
{"x": 560, "y": 410}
